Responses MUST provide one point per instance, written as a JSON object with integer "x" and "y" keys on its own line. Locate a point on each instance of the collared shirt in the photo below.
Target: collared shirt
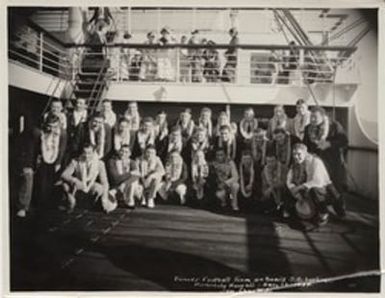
{"x": 316, "y": 173}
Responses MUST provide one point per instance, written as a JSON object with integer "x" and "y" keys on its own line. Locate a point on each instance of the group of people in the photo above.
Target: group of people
{"x": 132, "y": 160}
{"x": 160, "y": 64}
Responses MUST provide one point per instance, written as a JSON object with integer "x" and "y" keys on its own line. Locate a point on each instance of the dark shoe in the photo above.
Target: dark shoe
{"x": 339, "y": 206}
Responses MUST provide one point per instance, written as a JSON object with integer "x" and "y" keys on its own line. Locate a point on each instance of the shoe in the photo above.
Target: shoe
{"x": 323, "y": 219}
{"x": 339, "y": 206}
{"x": 21, "y": 213}
{"x": 151, "y": 203}
{"x": 143, "y": 202}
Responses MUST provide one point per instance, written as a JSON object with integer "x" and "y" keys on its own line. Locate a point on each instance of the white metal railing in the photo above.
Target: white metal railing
{"x": 181, "y": 63}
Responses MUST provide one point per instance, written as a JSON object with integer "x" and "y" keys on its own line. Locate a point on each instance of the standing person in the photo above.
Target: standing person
{"x": 124, "y": 177}
{"x": 309, "y": 183}
{"x": 184, "y": 62}
{"x": 282, "y": 145}
{"x": 175, "y": 178}
{"x": 148, "y": 67}
{"x": 56, "y": 108}
{"x": 173, "y": 142}
{"x": 133, "y": 113}
{"x": 195, "y": 56}
{"x": 301, "y": 119}
{"x": 108, "y": 113}
{"x": 273, "y": 185}
{"x": 226, "y": 179}
{"x": 186, "y": 125}
{"x": 165, "y": 68}
{"x": 206, "y": 122}
{"x": 123, "y": 135}
{"x": 161, "y": 126}
{"x": 97, "y": 133}
{"x": 199, "y": 173}
{"x": 229, "y": 70}
{"x": 151, "y": 173}
{"x": 224, "y": 119}
{"x": 330, "y": 149}
{"x": 86, "y": 176}
{"x": 76, "y": 120}
{"x": 226, "y": 142}
{"x": 279, "y": 120}
{"x": 144, "y": 137}
{"x": 247, "y": 126}
{"x": 211, "y": 63}
{"x": 41, "y": 160}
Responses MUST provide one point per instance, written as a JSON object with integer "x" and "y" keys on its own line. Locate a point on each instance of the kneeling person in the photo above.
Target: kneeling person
{"x": 174, "y": 178}
{"x": 151, "y": 172}
{"x": 86, "y": 176}
{"x": 124, "y": 176}
{"x": 308, "y": 181}
{"x": 226, "y": 177}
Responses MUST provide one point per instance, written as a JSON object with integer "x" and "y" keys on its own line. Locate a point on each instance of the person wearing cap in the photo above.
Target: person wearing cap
{"x": 148, "y": 67}
{"x": 166, "y": 71}
{"x": 41, "y": 158}
{"x": 229, "y": 70}
{"x": 309, "y": 183}
{"x": 195, "y": 57}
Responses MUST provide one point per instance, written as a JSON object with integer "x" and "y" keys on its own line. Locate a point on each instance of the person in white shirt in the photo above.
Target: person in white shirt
{"x": 308, "y": 179}
{"x": 151, "y": 172}
{"x": 248, "y": 125}
{"x": 108, "y": 113}
{"x": 86, "y": 176}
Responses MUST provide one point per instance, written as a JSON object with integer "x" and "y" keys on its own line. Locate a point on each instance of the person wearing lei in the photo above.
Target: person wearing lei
{"x": 206, "y": 122}
{"x": 301, "y": 119}
{"x": 151, "y": 172}
{"x": 144, "y": 137}
{"x": 108, "y": 113}
{"x": 247, "y": 174}
{"x": 86, "y": 176}
{"x": 186, "y": 125}
{"x": 199, "y": 141}
{"x": 122, "y": 135}
{"x": 273, "y": 183}
{"x": 227, "y": 142}
{"x": 98, "y": 134}
{"x": 222, "y": 120}
{"x": 308, "y": 179}
{"x": 174, "y": 180}
{"x": 133, "y": 113}
{"x": 226, "y": 178}
{"x": 248, "y": 125}
{"x": 259, "y": 146}
{"x": 42, "y": 156}
{"x": 161, "y": 126}
{"x": 124, "y": 177}
{"x": 282, "y": 145}
{"x": 279, "y": 120}
{"x": 56, "y": 108}
{"x": 199, "y": 173}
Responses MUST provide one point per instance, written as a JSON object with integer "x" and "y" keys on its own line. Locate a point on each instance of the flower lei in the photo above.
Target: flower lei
{"x": 50, "y": 146}
{"x": 300, "y": 123}
{"x": 208, "y": 126}
{"x": 247, "y": 127}
{"x": 98, "y": 139}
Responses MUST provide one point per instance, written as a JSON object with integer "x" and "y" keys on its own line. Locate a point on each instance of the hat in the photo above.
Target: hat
{"x": 151, "y": 33}
{"x": 165, "y": 30}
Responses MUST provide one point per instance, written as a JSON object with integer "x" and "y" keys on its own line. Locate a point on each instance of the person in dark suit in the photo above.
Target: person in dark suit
{"x": 97, "y": 133}
{"x": 41, "y": 160}
{"x": 330, "y": 149}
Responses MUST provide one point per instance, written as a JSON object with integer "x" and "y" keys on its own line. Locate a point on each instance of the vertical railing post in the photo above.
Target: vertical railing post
{"x": 177, "y": 66}
{"x": 41, "y": 51}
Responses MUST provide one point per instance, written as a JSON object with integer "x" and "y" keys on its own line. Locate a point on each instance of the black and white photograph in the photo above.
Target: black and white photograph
{"x": 193, "y": 148}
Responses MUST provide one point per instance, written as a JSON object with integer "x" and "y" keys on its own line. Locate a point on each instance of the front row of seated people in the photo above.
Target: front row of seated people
{"x": 134, "y": 165}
